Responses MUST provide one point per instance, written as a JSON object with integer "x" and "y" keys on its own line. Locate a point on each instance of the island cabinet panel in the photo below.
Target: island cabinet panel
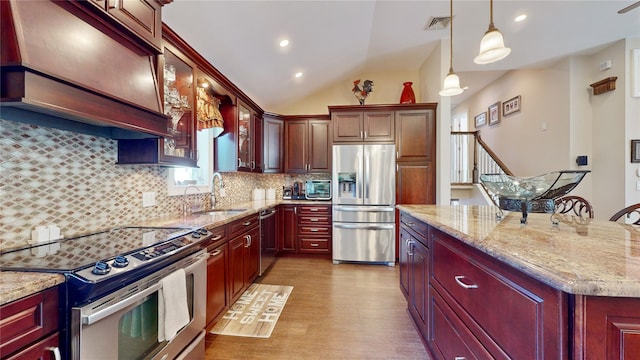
{"x": 608, "y": 328}
{"x": 415, "y": 270}
{"x": 512, "y": 315}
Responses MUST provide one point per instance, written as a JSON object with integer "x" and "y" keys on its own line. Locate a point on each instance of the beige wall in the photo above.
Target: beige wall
{"x": 387, "y": 88}
{"x": 577, "y": 123}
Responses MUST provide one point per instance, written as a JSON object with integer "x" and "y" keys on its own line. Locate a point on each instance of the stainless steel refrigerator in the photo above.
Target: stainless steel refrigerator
{"x": 364, "y": 191}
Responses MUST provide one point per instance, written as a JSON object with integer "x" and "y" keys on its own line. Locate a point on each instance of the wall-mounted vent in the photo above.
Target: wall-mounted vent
{"x": 438, "y": 23}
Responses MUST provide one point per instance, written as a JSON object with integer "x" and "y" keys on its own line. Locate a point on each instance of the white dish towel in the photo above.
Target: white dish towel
{"x": 173, "y": 311}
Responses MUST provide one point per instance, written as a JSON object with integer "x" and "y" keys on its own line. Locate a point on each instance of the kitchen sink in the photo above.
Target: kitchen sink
{"x": 227, "y": 212}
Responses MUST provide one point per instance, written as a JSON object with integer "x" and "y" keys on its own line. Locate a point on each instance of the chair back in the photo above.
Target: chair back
{"x": 574, "y": 204}
{"x": 631, "y": 212}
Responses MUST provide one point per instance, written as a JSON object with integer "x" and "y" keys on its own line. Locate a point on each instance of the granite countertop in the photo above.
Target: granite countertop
{"x": 15, "y": 285}
{"x": 597, "y": 258}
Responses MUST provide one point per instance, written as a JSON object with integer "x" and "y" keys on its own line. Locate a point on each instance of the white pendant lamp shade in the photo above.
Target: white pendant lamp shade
{"x": 492, "y": 44}
{"x": 492, "y": 47}
{"x": 451, "y": 85}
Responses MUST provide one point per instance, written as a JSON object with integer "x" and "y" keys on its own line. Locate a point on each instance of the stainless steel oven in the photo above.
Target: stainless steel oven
{"x": 125, "y": 324}
{"x": 117, "y": 281}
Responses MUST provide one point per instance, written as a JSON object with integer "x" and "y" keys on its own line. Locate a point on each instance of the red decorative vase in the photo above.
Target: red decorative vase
{"x": 407, "y": 96}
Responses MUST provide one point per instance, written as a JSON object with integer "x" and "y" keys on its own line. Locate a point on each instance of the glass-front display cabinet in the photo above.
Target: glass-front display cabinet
{"x": 178, "y": 104}
{"x": 176, "y": 79}
{"x": 245, "y": 134}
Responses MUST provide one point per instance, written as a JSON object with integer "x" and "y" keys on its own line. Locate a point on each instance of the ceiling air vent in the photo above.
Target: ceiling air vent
{"x": 437, "y": 23}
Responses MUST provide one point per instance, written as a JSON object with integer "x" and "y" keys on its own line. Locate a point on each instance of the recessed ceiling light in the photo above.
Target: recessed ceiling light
{"x": 284, "y": 43}
{"x": 298, "y": 74}
{"x": 520, "y": 17}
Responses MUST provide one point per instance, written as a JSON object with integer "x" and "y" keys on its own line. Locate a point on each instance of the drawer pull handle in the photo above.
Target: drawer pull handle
{"x": 459, "y": 358}
{"x": 313, "y": 219}
{"x": 314, "y": 209}
{"x": 216, "y": 238}
{"x": 466, "y": 286}
{"x": 56, "y": 352}
{"x": 246, "y": 223}
{"x": 314, "y": 230}
{"x": 410, "y": 224}
{"x": 314, "y": 245}
{"x": 215, "y": 252}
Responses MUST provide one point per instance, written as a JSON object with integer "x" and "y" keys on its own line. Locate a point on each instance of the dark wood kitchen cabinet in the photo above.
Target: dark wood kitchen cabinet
{"x": 305, "y": 229}
{"x": 486, "y": 302}
{"x": 271, "y": 157}
{"x": 287, "y": 228}
{"x": 314, "y": 229}
{"x": 142, "y": 18}
{"x": 414, "y": 261}
{"x": 218, "y": 299}
{"x": 244, "y": 254}
{"x": 362, "y": 125}
{"x": 307, "y": 144}
{"x": 610, "y": 328}
{"x": 29, "y": 326}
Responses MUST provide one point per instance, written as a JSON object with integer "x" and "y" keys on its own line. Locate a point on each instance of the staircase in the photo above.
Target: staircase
{"x": 471, "y": 157}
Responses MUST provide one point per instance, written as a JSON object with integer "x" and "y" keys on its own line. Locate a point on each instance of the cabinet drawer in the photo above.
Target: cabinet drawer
{"x": 313, "y": 244}
{"x": 419, "y": 229}
{"x": 218, "y": 238}
{"x": 41, "y": 350}
{"x": 316, "y": 210}
{"x": 243, "y": 225}
{"x": 512, "y": 310}
{"x": 314, "y": 220}
{"x": 27, "y": 320}
{"x": 451, "y": 338}
{"x": 314, "y": 230}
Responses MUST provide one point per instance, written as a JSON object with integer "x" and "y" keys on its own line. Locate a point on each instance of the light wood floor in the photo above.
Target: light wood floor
{"x": 345, "y": 311}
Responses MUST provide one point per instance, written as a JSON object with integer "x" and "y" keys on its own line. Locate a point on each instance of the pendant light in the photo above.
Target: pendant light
{"x": 451, "y": 84}
{"x": 492, "y": 46}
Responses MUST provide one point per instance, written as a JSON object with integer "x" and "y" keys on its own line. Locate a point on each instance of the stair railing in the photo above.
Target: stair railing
{"x": 470, "y": 157}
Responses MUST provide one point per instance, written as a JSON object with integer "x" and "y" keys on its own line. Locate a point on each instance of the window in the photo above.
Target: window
{"x": 180, "y": 177}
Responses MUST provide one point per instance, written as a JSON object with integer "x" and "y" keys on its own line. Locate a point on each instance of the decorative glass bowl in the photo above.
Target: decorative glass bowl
{"x": 531, "y": 194}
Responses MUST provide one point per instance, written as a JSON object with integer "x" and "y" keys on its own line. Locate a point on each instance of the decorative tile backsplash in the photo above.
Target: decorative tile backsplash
{"x": 50, "y": 176}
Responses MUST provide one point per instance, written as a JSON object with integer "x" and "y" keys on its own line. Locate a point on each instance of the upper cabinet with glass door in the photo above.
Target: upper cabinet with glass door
{"x": 235, "y": 149}
{"x": 177, "y": 78}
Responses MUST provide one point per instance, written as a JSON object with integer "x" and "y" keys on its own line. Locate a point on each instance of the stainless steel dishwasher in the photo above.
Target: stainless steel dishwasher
{"x": 267, "y": 239}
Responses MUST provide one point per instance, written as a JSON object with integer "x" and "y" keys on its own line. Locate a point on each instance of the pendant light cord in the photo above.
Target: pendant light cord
{"x": 491, "y": 26}
{"x": 451, "y": 37}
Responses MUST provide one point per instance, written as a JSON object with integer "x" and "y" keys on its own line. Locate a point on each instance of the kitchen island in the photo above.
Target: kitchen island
{"x": 497, "y": 288}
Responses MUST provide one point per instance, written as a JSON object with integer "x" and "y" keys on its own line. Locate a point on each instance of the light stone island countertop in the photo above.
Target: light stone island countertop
{"x": 599, "y": 258}
{"x": 15, "y": 285}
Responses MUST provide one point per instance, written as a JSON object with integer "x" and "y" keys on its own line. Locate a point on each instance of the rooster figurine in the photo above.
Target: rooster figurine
{"x": 361, "y": 94}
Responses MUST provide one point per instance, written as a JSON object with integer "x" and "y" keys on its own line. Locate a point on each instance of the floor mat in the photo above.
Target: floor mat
{"x": 255, "y": 313}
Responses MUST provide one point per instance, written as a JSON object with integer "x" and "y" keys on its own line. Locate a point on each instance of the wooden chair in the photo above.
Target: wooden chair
{"x": 630, "y": 211}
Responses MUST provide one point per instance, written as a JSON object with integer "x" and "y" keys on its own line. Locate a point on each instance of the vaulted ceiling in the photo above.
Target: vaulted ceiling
{"x": 334, "y": 40}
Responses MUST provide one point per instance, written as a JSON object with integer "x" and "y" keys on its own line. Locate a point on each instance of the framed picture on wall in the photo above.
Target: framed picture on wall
{"x": 480, "y": 119}
{"x": 510, "y": 106}
{"x": 494, "y": 113}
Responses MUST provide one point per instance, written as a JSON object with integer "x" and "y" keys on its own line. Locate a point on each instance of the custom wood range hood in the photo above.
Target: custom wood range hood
{"x": 63, "y": 65}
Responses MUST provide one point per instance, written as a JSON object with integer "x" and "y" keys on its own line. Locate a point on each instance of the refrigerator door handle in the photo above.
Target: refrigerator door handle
{"x": 364, "y": 226}
{"x": 363, "y": 208}
{"x": 367, "y": 168}
{"x": 359, "y": 176}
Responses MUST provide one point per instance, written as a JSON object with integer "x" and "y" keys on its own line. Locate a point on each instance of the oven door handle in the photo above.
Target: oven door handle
{"x": 99, "y": 315}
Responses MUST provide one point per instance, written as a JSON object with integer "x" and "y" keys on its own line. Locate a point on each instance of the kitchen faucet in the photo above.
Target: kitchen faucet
{"x": 185, "y": 210}
{"x": 213, "y": 187}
